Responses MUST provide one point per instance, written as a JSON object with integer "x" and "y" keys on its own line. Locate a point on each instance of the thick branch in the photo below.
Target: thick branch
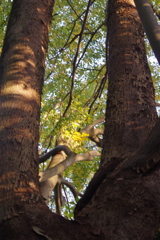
{"x": 88, "y": 156}
{"x": 73, "y": 157}
{"x": 150, "y": 25}
{"x": 54, "y": 151}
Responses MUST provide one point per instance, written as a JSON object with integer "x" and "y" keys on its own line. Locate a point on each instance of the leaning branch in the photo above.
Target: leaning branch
{"x": 150, "y": 25}
{"x": 71, "y": 187}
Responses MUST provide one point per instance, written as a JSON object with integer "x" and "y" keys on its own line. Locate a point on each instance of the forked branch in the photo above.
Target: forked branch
{"x": 73, "y": 157}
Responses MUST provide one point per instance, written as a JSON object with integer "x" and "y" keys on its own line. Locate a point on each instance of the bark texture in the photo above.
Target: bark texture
{"x": 120, "y": 201}
{"x": 21, "y": 80}
{"x": 131, "y": 112}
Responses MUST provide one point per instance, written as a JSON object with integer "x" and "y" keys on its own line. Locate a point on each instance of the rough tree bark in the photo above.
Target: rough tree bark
{"x": 131, "y": 111}
{"x": 122, "y": 200}
{"x": 21, "y": 81}
{"x": 23, "y": 212}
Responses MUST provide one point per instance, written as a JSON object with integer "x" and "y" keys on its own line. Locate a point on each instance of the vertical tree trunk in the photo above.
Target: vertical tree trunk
{"x": 21, "y": 80}
{"x": 23, "y": 213}
{"x": 121, "y": 205}
{"x": 131, "y": 112}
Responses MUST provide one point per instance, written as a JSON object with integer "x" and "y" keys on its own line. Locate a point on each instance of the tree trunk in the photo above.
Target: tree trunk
{"x": 23, "y": 212}
{"x": 131, "y": 111}
{"x": 120, "y": 201}
{"x": 21, "y": 81}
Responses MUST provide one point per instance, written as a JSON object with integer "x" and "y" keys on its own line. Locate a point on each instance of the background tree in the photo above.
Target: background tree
{"x": 130, "y": 116}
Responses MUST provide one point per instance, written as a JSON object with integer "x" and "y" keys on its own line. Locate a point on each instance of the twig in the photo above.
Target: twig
{"x": 92, "y": 35}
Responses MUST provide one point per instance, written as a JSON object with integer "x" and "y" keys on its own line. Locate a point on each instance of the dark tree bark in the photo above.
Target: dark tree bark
{"x": 151, "y": 26}
{"x": 131, "y": 112}
{"x": 21, "y": 81}
{"x": 23, "y": 212}
{"x": 122, "y": 200}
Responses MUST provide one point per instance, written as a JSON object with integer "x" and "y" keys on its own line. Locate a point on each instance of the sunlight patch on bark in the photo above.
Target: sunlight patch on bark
{"x": 21, "y": 89}
{"x": 33, "y": 185}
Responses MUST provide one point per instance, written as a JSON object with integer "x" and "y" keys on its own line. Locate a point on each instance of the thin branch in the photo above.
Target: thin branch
{"x": 71, "y": 187}
{"x": 50, "y": 136}
{"x": 57, "y": 192}
{"x": 67, "y": 201}
{"x": 92, "y": 35}
{"x": 62, "y": 49}
{"x": 99, "y": 91}
{"x": 79, "y": 17}
{"x": 75, "y": 58}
